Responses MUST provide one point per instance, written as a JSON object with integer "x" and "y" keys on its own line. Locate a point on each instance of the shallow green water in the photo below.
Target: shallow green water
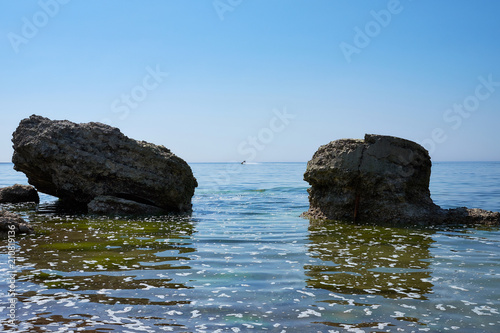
{"x": 245, "y": 261}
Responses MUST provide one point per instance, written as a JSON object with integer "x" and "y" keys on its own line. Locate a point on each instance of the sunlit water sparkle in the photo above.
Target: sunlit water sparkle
{"x": 245, "y": 261}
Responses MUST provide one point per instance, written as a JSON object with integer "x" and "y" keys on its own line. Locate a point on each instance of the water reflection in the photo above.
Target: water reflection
{"x": 360, "y": 264}
{"x": 78, "y": 261}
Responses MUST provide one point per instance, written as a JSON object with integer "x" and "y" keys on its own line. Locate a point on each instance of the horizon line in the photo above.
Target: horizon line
{"x": 220, "y": 162}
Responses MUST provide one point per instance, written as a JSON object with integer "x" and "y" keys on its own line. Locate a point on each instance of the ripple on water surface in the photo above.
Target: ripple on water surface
{"x": 244, "y": 261}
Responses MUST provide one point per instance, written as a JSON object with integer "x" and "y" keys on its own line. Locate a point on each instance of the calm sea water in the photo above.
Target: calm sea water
{"x": 245, "y": 261}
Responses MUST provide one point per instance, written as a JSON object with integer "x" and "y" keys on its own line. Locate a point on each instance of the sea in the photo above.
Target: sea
{"x": 245, "y": 261}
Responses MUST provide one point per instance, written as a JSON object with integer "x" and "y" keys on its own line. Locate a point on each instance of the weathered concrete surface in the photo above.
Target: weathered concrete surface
{"x": 79, "y": 162}
{"x": 19, "y": 193}
{"x": 380, "y": 179}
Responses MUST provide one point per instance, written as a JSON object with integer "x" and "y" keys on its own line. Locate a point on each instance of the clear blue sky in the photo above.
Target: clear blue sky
{"x": 425, "y": 70}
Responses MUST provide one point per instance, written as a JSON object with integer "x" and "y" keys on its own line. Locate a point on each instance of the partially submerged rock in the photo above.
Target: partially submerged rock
{"x": 13, "y": 222}
{"x": 117, "y": 206}
{"x": 19, "y": 193}
{"x": 380, "y": 179}
{"x": 469, "y": 216}
{"x": 79, "y": 162}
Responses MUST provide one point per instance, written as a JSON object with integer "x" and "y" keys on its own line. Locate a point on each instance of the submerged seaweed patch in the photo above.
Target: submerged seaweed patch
{"x": 244, "y": 262}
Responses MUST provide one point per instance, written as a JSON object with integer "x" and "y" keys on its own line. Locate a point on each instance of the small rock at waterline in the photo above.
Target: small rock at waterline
{"x": 19, "y": 193}
{"x": 13, "y": 222}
